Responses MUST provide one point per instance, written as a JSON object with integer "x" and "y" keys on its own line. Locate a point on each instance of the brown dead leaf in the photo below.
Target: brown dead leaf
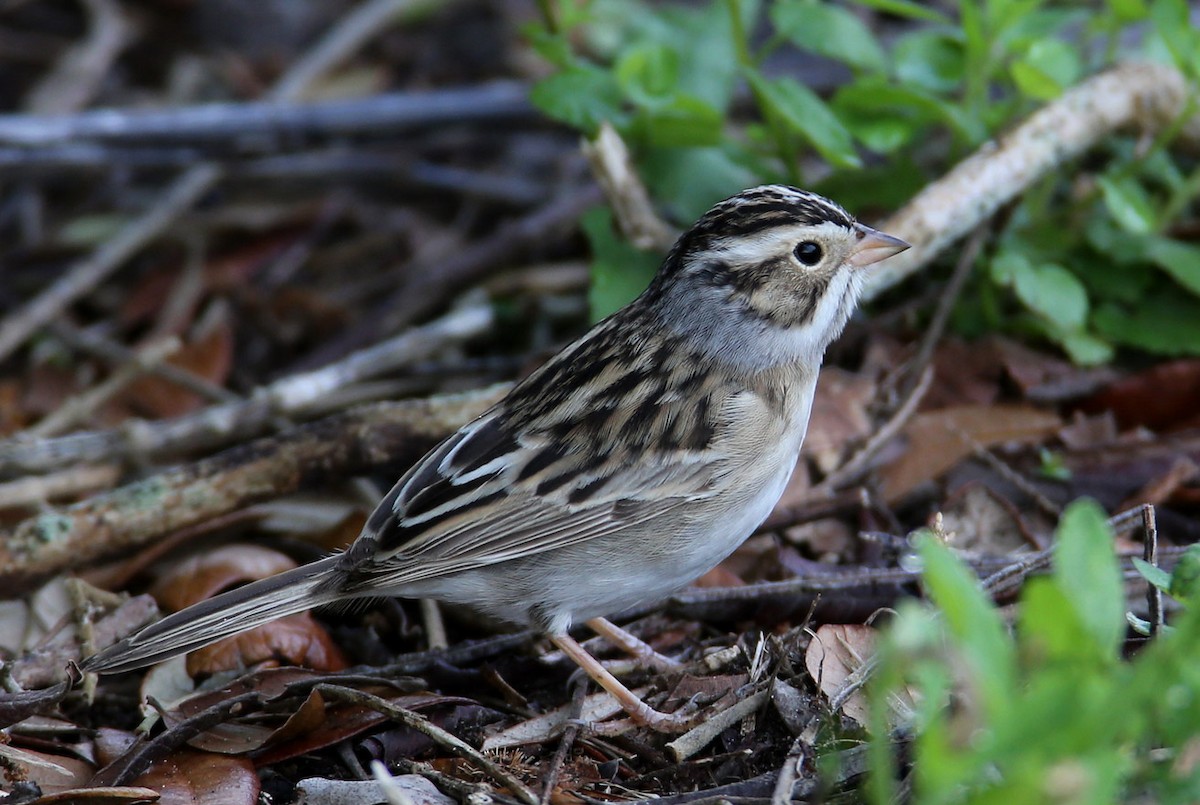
{"x": 13, "y": 416}
{"x": 296, "y": 639}
{"x": 209, "y": 355}
{"x": 837, "y": 651}
{"x": 204, "y": 575}
{"x": 964, "y": 374}
{"x": 937, "y": 440}
{"x": 839, "y": 416}
{"x": 717, "y": 692}
{"x": 1162, "y": 397}
{"x": 52, "y": 773}
{"x": 1083, "y": 432}
{"x": 189, "y": 777}
{"x": 342, "y": 722}
{"x": 230, "y": 271}
{"x": 110, "y": 743}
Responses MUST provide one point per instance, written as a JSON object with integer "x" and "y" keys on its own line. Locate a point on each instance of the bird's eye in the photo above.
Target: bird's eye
{"x": 808, "y": 253}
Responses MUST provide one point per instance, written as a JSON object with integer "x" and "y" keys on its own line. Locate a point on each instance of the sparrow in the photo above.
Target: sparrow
{"x": 628, "y": 465}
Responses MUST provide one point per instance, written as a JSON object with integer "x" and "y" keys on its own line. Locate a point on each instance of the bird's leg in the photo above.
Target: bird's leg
{"x": 632, "y": 645}
{"x": 637, "y": 709}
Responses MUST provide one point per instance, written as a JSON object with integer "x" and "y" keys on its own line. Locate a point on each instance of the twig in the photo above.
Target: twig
{"x": 945, "y": 306}
{"x": 39, "y": 489}
{"x": 613, "y": 168}
{"x": 1151, "y": 97}
{"x": 1018, "y": 480}
{"x": 701, "y": 736}
{"x": 252, "y": 126}
{"x": 82, "y": 69}
{"x": 1154, "y": 601}
{"x": 361, "y": 25}
{"x": 566, "y": 741}
{"x": 85, "y": 275}
{"x": 435, "y": 733}
{"x": 295, "y": 395}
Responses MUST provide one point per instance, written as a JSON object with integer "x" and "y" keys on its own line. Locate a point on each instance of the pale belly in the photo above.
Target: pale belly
{"x": 573, "y": 584}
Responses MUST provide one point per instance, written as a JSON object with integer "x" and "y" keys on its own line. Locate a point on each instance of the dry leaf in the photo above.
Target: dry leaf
{"x": 209, "y": 356}
{"x": 52, "y": 773}
{"x": 1162, "y": 397}
{"x": 188, "y": 777}
{"x": 835, "y": 653}
{"x": 296, "y": 639}
{"x": 937, "y": 440}
{"x": 839, "y": 416}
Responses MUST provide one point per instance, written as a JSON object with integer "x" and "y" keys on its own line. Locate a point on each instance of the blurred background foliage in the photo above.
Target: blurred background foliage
{"x": 1099, "y": 257}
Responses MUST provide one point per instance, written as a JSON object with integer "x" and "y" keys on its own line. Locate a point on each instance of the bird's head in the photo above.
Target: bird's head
{"x": 771, "y": 274}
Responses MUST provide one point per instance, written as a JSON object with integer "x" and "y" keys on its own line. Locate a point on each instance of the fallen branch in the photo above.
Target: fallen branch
{"x": 1150, "y": 97}
{"x": 261, "y": 126}
{"x": 385, "y": 436}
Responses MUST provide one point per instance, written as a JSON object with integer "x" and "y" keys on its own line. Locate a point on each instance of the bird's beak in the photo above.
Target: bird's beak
{"x": 874, "y": 246}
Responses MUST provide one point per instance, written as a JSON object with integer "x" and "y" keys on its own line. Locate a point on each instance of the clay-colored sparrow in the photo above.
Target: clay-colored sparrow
{"x": 632, "y": 462}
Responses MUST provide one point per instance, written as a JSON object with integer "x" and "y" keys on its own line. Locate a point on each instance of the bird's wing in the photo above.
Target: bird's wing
{"x": 488, "y": 495}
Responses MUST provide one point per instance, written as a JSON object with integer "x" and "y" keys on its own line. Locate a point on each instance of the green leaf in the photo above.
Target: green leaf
{"x": 1048, "y": 67}
{"x": 1179, "y": 260}
{"x": 690, "y": 180}
{"x": 1172, "y": 22}
{"x": 582, "y": 97}
{"x": 807, "y": 115}
{"x": 1153, "y": 574}
{"x": 1139, "y": 625}
{"x": 708, "y": 61}
{"x": 619, "y": 271}
{"x": 830, "y": 31}
{"x": 1168, "y": 324}
{"x": 1084, "y": 348}
{"x": 870, "y": 111}
{"x": 1050, "y": 629}
{"x": 1185, "y": 578}
{"x": 871, "y": 107}
{"x": 1055, "y": 293}
{"x": 930, "y": 60}
{"x": 1047, "y": 289}
{"x": 1129, "y": 10}
{"x": 1118, "y": 248}
{"x": 1128, "y": 204}
{"x": 648, "y": 73}
{"x": 684, "y": 122}
{"x": 972, "y": 620}
{"x": 907, "y": 8}
{"x": 1086, "y": 570}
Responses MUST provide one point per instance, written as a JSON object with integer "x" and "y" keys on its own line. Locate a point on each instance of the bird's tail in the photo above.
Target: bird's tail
{"x": 219, "y": 617}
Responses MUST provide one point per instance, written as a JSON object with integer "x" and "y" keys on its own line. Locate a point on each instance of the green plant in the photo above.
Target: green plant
{"x": 1088, "y": 263}
{"x": 1050, "y": 710}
